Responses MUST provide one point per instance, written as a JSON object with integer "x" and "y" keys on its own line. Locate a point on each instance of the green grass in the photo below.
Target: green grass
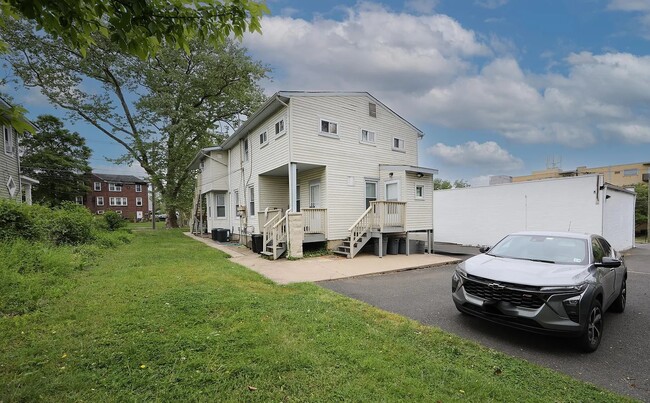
{"x": 168, "y": 318}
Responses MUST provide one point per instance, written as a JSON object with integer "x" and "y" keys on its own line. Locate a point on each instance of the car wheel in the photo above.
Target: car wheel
{"x": 619, "y": 304}
{"x": 590, "y": 339}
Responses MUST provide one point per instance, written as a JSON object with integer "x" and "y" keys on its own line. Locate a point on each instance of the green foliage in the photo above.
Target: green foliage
{"x": 71, "y": 224}
{"x": 168, "y": 319}
{"x": 161, "y": 111}
{"x": 461, "y": 183}
{"x": 58, "y": 159}
{"x": 15, "y": 221}
{"x": 139, "y": 27}
{"x": 439, "y": 184}
{"x": 641, "y": 210}
{"x": 114, "y": 221}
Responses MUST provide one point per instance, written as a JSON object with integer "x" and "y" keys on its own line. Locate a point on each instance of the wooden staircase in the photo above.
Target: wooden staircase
{"x": 360, "y": 234}
{"x": 274, "y": 242}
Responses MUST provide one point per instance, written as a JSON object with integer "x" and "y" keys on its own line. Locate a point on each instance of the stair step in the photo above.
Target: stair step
{"x": 265, "y": 253}
{"x": 345, "y": 249}
{"x": 338, "y": 252}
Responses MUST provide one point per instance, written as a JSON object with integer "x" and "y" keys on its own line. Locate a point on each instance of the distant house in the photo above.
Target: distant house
{"x": 619, "y": 175}
{"x": 342, "y": 165}
{"x": 127, "y": 195}
{"x": 13, "y": 185}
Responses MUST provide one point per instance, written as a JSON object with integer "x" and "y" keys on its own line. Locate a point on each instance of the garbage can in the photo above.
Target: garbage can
{"x": 393, "y": 246}
{"x": 384, "y": 247}
{"x": 223, "y": 235}
{"x": 402, "y": 246}
{"x": 215, "y": 234}
{"x": 257, "y": 239}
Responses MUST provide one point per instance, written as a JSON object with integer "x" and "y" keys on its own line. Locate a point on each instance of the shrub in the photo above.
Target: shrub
{"x": 71, "y": 224}
{"x": 15, "y": 221}
{"x": 114, "y": 221}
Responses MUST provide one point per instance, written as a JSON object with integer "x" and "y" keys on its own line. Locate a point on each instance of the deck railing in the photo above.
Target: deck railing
{"x": 268, "y": 229}
{"x": 389, "y": 214}
{"x": 315, "y": 220}
{"x": 279, "y": 234}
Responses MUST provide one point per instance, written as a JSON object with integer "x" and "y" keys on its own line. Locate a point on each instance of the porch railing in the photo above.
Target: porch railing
{"x": 389, "y": 214}
{"x": 315, "y": 220}
{"x": 362, "y": 226}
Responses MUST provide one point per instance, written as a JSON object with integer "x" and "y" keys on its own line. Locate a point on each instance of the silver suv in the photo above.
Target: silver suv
{"x": 557, "y": 283}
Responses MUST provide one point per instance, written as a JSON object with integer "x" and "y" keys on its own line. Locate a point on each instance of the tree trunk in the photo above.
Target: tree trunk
{"x": 172, "y": 219}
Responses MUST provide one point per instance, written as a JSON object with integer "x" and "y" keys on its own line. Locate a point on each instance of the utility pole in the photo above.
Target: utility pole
{"x": 153, "y": 206}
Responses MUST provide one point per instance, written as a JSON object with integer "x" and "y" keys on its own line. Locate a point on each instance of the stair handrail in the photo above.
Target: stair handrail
{"x": 268, "y": 228}
{"x": 279, "y": 234}
{"x": 360, "y": 227}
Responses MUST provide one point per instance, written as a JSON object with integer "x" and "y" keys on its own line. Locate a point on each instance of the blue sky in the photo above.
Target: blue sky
{"x": 498, "y": 86}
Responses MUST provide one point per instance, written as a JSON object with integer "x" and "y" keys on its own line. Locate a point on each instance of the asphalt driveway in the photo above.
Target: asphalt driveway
{"x": 621, "y": 364}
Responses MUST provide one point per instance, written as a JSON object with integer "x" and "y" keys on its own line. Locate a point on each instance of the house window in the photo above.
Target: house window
{"x": 328, "y": 127}
{"x": 251, "y": 202}
{"x": 279, "y": 127}
{"x": 9, "y": 141}
{"x": 114, "y": 187}
{"x": 236, "y": 197}
{"x": 79, "y": 200}
{"x": 372, "y": 110}
{"x": 630, "y": 172}
{"x": 117, "y": 201}
{"x": 99, "y": 201}
{"x": 297, "y": 198}
{"x": 97, "y": 186}
{"x": 221, "y": 205}
{"x": 118, "y": 212}
{"x": 245, "y": 149}
{"x": 262, "y": 138}
{"x": 138, "y": 187}
{"x": 367, "y": 137}
{"x": 419, "y": 191}
{"x": 138, "y": 201}
{"x": 398, "y": 144}
{"x": 100, "y": 211}
{"x": 11, "y": 186}
{"x": 371, "y": 193}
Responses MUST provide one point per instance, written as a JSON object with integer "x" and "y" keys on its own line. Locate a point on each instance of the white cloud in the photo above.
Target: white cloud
{"x": 487, "y": 155}
{"x": 431, "y": 69}
{"x": 629, "y": 5}
{"x": 491, "y": 3}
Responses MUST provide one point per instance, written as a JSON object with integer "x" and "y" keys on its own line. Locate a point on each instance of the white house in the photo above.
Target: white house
{"x": 341, "y": 166}
{"x": 484, "y": 215}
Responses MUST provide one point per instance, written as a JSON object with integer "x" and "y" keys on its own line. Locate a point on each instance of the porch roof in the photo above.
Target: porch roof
{"x": 27, "y": 180}
{"x": 408, "y": 168}
{"x": 200, "y": 155}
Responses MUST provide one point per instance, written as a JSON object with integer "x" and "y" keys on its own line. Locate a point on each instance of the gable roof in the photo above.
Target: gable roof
{"x": 119, "y": 178}
{"x": 6, "y": 105}
{"x": 282, "y": 98}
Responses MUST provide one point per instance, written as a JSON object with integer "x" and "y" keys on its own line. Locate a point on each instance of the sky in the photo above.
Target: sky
{"x": 499, "y": 87}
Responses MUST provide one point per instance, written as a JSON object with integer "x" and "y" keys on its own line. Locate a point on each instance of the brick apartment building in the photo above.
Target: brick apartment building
{"x": 125, "y": 194}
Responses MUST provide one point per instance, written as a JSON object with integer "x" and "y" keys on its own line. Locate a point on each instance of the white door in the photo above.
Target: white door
{"x": 392, "y": 191}
{"x": 314, "y": 195}
{"x": 391, "y": 211}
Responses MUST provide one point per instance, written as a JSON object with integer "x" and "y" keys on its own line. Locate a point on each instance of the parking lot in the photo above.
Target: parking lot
{"x": 621, "y": 364}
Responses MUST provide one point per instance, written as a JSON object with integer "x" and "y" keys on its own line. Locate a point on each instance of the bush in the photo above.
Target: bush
{"x": 15, "y": 221}
{"x": 71, "y": 224}
{"x": 114, "y": 221}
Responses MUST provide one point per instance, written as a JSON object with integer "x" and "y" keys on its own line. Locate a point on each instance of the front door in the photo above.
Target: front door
{"x": 314, "y": 195}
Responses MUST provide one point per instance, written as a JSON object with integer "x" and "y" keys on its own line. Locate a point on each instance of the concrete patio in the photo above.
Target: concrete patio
{"x": 322, "y": 268}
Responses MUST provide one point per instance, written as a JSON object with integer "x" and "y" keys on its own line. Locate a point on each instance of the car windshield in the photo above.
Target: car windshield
{"x": 544, "y": 248}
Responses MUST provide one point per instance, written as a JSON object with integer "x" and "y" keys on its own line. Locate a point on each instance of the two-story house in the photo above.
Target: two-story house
{"x": 342, "y": 162}
{"x": 13, "y": 185}
{"x": 127, "y": 195}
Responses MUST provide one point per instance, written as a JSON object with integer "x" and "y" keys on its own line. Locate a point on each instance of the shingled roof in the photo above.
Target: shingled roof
{"x": 119, "y": 178}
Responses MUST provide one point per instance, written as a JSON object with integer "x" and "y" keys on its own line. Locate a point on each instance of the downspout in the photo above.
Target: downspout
{"x": 230, "y": 216}
{"x": 292, "y": 188}
{"x": 20, "y": 183}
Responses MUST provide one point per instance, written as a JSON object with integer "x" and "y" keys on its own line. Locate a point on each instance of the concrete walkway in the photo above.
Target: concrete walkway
{"x": 330, "y": 267}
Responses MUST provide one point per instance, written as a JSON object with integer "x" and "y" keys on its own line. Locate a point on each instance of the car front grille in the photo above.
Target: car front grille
{"x": 492, "y": 291}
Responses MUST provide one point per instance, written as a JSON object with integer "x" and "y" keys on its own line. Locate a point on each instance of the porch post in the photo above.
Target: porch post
{"x": 293, "y": 200}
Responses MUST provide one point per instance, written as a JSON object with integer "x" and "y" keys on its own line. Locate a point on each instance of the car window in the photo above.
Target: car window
{"x": 607, "y": 248}
{"x": 597, "y": 251}
{"x": 561, "y": 250}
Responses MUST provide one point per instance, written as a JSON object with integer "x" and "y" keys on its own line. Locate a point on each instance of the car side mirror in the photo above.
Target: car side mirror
{"x": 609, "y": 262}
{"x": 484, "y": 249}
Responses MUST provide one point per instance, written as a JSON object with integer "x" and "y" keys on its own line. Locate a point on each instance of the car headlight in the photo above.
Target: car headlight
{"x": 457, "y": 278}
{"x": 566, "y": 288}
{"x": 572, "y": 307}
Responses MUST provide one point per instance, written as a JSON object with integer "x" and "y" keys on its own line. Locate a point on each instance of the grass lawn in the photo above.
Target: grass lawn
{"x": 168, "y": 318}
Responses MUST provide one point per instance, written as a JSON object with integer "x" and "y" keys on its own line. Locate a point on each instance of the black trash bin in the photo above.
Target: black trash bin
{"x": 258, "y": 240}
{"x": 393, "y": 246}
{"x": 223, "y": 235}
{"x": 215, "y": 234}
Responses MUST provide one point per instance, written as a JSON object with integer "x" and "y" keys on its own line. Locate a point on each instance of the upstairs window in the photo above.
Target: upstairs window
{"x": 630, "y": 172}
{"x": 99, "y": 201}
{"x": 251, "y": 202}
{"x": 419, "y": 191}
{"x": 245, "y": 149}
{"x": 279, "y": 127}
{"x": 221, "y": 205}
{"x": 367, "y": 137}
{"x": 114, "y": 187}
{"x": 117, "y": 201}
{"x": 138, "y": 187}
{"x": 328, "y": 127}
{"x": 398, "y": 144}
{"x": 79, "y": 200}
{"x": 9, "y": 140}
{"x": 372, "y": 110}
{"x": 97, "y": 186}
{"x": 262, "y": 138}
{"x": 138, "y": 201}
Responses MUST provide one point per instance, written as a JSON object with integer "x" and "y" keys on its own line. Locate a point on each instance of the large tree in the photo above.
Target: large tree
{"x": 56, "y": 157}
{"x": 136, "y": 27}
{"x": 161, "y": 110}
